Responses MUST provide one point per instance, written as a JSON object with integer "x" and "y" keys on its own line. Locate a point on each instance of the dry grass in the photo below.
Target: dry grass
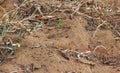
{"x": 29, "y": 15}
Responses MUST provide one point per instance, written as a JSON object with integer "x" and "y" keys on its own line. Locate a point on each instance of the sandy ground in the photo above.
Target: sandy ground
{"x": 71, "y": 35}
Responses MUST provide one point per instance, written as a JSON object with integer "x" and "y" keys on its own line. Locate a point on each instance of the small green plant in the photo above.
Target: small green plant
{"x": 4, "y": 30}
{"x": 59, "y": 23}
{"x": 3, "y": 33}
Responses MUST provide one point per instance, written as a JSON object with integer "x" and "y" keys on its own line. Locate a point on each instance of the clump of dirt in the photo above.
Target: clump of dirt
{"x": 65, "y": 36}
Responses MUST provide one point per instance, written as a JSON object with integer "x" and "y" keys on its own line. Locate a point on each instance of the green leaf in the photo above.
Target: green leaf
{"x": 60, "y": 21}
